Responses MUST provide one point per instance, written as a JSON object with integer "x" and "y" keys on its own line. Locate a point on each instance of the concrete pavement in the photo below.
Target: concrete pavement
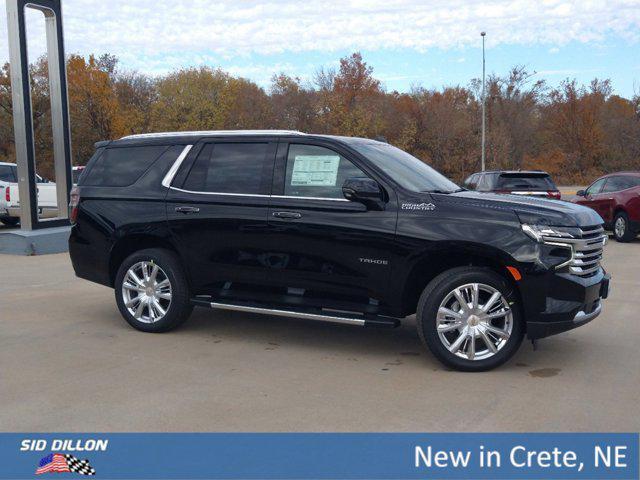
{"x": 69, "y": 362}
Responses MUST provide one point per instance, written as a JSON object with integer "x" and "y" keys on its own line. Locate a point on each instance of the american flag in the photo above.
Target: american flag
{"x": 58, "y": 462}
{"x": 54, "y": 462}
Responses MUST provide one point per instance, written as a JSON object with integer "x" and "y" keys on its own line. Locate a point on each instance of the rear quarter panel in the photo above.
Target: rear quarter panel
{"x": 108, "y": 216}
{"x": 630, "y": 202}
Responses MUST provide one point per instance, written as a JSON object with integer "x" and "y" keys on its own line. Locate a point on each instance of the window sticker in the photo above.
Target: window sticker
{"x": 315, "y": 170}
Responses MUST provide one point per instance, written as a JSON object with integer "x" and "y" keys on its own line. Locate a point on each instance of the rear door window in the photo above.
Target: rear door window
{"x": 8, "y": 173}
{"x": 121, "y": 166}
{"x": 484, "y": 185}
{"x": 616, "y": 184}
{"x": 232, "y": 168}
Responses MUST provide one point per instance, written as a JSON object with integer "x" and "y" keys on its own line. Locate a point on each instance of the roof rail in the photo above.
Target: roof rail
{"x": 204, "y": 133}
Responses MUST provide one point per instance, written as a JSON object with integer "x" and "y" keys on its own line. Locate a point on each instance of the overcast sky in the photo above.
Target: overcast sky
{"x": 429, "y": 43}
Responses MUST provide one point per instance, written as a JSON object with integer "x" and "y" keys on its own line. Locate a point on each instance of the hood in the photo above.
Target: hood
{"x": 531, "y": 210}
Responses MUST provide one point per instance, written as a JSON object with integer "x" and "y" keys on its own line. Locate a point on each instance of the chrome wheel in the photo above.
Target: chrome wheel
{"x": 474, "y": 321}
{"x": 620, "y": 227}
{"x": 146, "y": 292}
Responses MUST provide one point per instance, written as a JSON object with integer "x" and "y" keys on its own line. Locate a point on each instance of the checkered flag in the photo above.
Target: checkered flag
{"x": 79, "y": 466}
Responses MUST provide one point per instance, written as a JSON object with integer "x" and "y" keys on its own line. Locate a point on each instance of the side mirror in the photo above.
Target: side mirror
{"x": 581, "y": 193}
{"x": 364, "y": 190}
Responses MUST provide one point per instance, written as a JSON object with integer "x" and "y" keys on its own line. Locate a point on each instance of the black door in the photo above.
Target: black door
{"x": 321, "y": 243}
{"x": 217, "y": 209}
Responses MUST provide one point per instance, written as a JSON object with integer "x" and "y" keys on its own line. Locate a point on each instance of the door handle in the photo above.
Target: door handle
{"x": 289, "y": 215}
{"x": 187, "y": 210}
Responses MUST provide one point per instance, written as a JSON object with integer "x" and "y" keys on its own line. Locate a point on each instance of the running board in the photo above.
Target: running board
{"x": 361, "y": 321}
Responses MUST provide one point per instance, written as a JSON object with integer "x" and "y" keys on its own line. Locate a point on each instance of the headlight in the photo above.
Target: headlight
{"x": 558, "y": 237}
{"x": 544, "y": 233}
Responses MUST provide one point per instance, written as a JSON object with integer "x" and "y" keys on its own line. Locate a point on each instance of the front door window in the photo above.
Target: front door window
{"x": 318, "y": 172}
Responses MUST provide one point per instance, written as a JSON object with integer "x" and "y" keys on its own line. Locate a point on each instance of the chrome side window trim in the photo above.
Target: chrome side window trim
{"x": 168, "y": 178}
{"x": 256, "y": 195}
{"x": 221, "y": 194}
{"x": 311, "y": 198}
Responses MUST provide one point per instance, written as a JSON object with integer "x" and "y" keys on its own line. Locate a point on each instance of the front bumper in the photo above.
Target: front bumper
{"x": 571, "y": 303}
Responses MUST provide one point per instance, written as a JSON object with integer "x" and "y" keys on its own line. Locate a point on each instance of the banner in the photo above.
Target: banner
{"x": 319, "y": 455}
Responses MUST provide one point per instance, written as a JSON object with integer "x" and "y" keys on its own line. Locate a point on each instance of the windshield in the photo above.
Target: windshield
{"x": 407, "y": 170}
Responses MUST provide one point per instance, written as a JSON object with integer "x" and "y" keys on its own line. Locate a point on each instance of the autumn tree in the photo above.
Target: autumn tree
{"x": 7, "y": 147}
{"x": 349, "y": 99}
{"x": 574, "y": 132}
{"x": 446, "y": 131}
{"x": 293, "y": 105}
{"x": 572, "y": 122}
{"x": 94, "y": 109}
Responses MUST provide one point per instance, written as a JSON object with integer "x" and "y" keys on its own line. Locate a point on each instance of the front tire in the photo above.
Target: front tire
{"x": 470, "y": 319}
{"x": 151, "y": 291}
{"x": 622, "y": 228}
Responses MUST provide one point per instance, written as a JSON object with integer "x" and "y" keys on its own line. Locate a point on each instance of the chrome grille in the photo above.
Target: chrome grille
{"x": 586, "y": 250}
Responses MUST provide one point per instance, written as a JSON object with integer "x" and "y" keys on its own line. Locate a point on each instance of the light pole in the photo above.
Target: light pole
{"x": 483, "y": 101}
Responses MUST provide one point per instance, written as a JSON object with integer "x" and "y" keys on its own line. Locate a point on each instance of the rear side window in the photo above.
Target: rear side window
{"x": 120, "y": 167}
{"x": 8, "y": 173}
{"x": 244, "y": 168}
{"x": 519, "y": 182}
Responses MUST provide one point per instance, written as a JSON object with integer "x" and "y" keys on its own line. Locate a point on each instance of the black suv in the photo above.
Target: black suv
{"x": 338, "y": 229}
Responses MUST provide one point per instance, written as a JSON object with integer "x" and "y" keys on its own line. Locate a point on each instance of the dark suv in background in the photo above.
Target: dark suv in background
{"x": 616, "y": 197}
{"x": 338, "y": 229}
{"x": 517, "y": 182}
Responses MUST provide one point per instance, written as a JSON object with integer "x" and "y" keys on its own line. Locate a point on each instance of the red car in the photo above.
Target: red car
{"x": 616, "y": 197}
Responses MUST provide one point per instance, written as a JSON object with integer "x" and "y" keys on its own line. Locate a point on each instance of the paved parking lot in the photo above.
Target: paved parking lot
{"x": 68, "y": 362}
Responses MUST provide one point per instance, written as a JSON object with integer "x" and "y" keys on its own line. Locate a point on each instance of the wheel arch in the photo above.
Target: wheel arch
{"x": 431, "y": 264}
{"x": 619, "y": 209}
{"x": 132, "y": 243}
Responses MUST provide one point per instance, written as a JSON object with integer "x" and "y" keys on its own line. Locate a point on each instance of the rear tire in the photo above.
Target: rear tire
{"x": 152, "y": 292}
{"x": 622, "y": 231}
{"x": 10, "y": 221}
{"x": 466, "y": 334}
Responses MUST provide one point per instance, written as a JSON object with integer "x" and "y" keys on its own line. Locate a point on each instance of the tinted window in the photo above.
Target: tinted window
{"x": 410, "y": 172}
{"x": 634, "y": 182}
{"x": 615, "y": 184}
{"x": 595, "y": 187}
{"x": 317, "y": 172}
{"x": 75, "y": 173}
{"x": 232, "y": 168}
{"x": 472, "y": 182}
{"x": 532, "y": 182}
{"x": 119, "y": 167}
{"x": 484, "y": 185}
{"x": 8, "y": 173}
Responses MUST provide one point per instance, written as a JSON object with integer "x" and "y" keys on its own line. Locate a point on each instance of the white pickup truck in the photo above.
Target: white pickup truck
{"x": 10, "y": 202}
